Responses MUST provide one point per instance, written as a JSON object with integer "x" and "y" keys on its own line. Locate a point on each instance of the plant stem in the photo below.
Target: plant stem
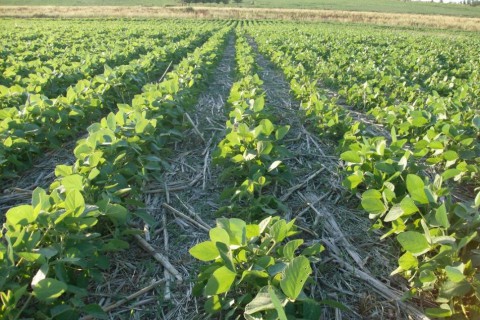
{"x": 23, "y": 307}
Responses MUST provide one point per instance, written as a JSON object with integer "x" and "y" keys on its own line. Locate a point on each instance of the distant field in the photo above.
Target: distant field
{"x": 411, "y": 21}
{"x": 394, "y": 6}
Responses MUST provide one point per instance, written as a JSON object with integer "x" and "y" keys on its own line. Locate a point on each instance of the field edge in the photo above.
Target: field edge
{"x": 375, "y": 18}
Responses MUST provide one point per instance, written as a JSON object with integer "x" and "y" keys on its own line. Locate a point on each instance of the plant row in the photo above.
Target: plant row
{"x": 438, "y": 115}
{"x": 55, "y": 77}
{"x": 257, "y": 263}
{"x": 52, "y": 249}
{"x": 438, "y": 233}
{"x": 44, "y": 60}
{"x": 43, "y": 123}
{"x": 51, "y": 78}
{"x": 70, "y": 58}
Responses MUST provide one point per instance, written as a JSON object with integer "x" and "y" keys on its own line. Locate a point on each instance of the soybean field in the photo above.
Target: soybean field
{"x": 226, "y": 169}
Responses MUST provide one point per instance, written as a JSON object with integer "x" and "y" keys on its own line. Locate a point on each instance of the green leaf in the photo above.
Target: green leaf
{"x": 274, "y": 165}
{"x": 252, "y": 276}
{"x": 476, "y": 122}
{"x": 264, "y": 262}
{"x": 450, "y": 289}
{"x": 264, "y": 224}
{"x": 59, "y": 311}
{"x": 63, "y": 170}
{"x": 290, "y": 247}
{"x": 394, "y": 213}
{"x": 266, "y": 127}
{"x": 236, "y": 229}
{"x": 312, "y": 310}
{"x": 205, "y": 251}
{"x": 450, "y": 173}
{"x": 226, "y": 255}
{"x": 372, "y": 203}
{"x": 8, "y": 142}
{"x": 220, "y": 281}
{"x": 313, "y": 250}
{"x": 380, "y": 147}
{"x": 258, "y": 104}
{"x": 281, "y": 132}
{"x": 145, "y": 216}
{"x": 49, "y": 289}
{"x": 93, "y": 174}
{"x": 253, "y": 230}
{"x": 415, "y": 187}
{"x": 413, "y": 242}
{"x": 442, "y": 312}
{"x": 351, "y": 156}
{"x": 450, "y": 155}
{"x": 408, "y": 206}
{"x": 31, "y": 256}
{"x": 213, "y": 304}
{"x": 276, "y": 268}
{"x": 466, "y": 240}
{"x": 117, "y": 214}
{"x": 74, "y": 202}
{"x": 444, "y": 240}
{"x": 294, "y": 277}
{"x": 111, "y": 121}
{"x": 393, "y": 134}
{"x": 373, "y": 206}
{"x": 141, "y": 125}
{"x": 10, "y": 250}
{"x": 455, "y": 274}
{"x": 85, "y": 223}
{"x": 48, "y": 252}
{"x": 40, "y": 200}
{"x": 435, "y": 145}
{"x": 40, "y": 275}
{"x": 279, "y": 231}
{"x": 73, "y": 182}
{"x": 219, "y": 235}
{"x": 352, "y": 181}
{"x": 95, "y": 311}
{"x": 442, "y": 217}
{"x": 264, "y": 147}
{"x": 263, "y": 301}
{"x": 21, "y": 215}
{"x": 406, "y": 262}
{"x": 277, "y": 304}
{"x": 427, "y": 276}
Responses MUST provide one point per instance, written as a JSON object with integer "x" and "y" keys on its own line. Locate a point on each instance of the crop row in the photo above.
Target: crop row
{"x": 43, "y": 123}
{"x": 436, "y": 231}
{"x": 70, "y": 58}
{"x": 53, "y": 76}
{"x": 254, "y": 269}
{"x": 43, "y": 43}
{"x": 51, "y": 249}
{"x": 433, "y": 105}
